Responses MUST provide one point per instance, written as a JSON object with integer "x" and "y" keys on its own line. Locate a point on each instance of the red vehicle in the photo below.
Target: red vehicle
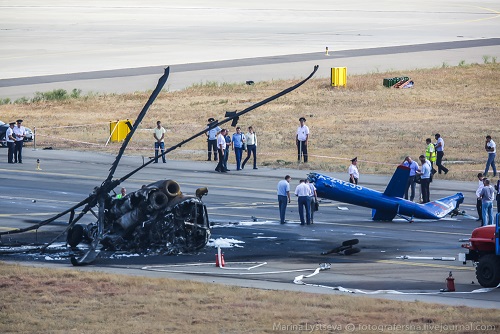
{"x": 484, "y": 250}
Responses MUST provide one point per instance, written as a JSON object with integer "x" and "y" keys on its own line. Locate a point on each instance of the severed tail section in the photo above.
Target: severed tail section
{"x": 397, "y": 185}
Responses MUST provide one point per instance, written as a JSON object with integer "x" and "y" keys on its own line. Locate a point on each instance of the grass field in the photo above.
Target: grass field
{"x": 379, "y": 125}
{"x": 37, "y": 300}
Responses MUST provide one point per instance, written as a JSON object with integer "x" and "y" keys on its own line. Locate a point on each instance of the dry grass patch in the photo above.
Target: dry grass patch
{"x": 377, "y": 124}
{"x": 37, "y": 300}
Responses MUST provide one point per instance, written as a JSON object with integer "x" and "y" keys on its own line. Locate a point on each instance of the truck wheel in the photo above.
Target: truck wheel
{"x": 488, "y": 271}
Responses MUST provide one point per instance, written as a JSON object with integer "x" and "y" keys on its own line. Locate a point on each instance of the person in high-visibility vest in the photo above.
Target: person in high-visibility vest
{"x": 123, "y": 193}
{"x": 430, "y": 154}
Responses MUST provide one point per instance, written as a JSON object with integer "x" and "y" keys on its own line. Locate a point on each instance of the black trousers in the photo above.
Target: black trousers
{"x": 251, "y": 149}
{"x": 10, "y": 153}
{"x": 18, "y": 151}
{"x": 212, "y": 147}
{"x": 426, "y": 193}
{"x": 220, "y": 166}
{"x": 479, "y": 207}
{"x": 301, "y": 150}
{"x": 439, "y": 160}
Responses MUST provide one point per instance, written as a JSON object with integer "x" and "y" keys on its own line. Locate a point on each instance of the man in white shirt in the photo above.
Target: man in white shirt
{"x": 491, "y": 148}
{"x": 479, "y": 203}
{"x": 19, "y": 134}
{"x": 425, "y": 179}
{"x": 283, "y": 196}
{"x": 440, "y": 153}
{"x": 212, "y": 139}
{"x": 487, "y": 196}
{"x": 313, "y": 199}
{"x": 159, "y": 135}
{"x": 301, "y": 138}
{"x": 303, "y": 192}
{"x": 11, "y": 142}
{"x": 353, "y": 171}
{"x": 221, "y": 147}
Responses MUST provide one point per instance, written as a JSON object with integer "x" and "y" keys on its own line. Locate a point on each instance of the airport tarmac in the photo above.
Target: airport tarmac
{"x": 242, "y": 208}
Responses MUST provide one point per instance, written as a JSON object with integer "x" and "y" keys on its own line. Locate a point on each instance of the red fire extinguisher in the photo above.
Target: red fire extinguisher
{"x": 450, "y": 283}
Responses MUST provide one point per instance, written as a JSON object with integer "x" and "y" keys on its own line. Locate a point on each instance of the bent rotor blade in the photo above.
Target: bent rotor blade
{"x": 161, "y": 82}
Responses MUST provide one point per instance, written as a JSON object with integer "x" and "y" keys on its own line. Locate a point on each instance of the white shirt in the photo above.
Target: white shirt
{"x": 251, "y": 138}
{"x": 159, "y": 133}
{"x": 221, "y": 142}
{"x": 492, "y": 145}
{"x": 9, "y": 132}
{"x": 19, "y": 131}
{"x": 440, "y": 148}
{"x": 303, "y": 190}
{"x": 480, "y": 187}
{"x": 354, "y": 171}
{"x": 312, "y": 187}
{"x": 426, "y": 169}
{"x": 302, "y": 133}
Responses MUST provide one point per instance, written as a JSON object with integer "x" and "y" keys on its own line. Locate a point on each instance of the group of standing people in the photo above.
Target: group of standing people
{"x": 220, "y": 143}
{"x": 14, "y": 137}
{"x": 486, "y": 194}
{"x": 307, "y": 200}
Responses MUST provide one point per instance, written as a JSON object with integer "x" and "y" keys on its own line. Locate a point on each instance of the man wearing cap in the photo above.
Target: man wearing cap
{"x": 221, "y": 147}
{"x": 353, "y": 171}
{"x": 19, "y": 134}
{"x": 301, "y": 139}
{"x": 9, "y": 138}
{"x": 212, "y": 139}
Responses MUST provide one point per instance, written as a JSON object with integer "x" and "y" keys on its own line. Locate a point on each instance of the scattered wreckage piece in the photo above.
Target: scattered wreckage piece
{"x": 345, "y": 249}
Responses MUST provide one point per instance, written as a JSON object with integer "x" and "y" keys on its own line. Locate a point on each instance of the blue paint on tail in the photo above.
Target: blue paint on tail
{"x": 397, "y": 185}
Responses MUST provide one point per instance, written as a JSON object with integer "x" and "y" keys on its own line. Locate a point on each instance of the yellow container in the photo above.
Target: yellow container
{"x": 119, "y": 130}
{"x": 339, "y": 76}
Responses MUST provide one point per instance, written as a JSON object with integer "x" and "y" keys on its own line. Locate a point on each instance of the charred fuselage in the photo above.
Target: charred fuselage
{"x": 156, "y": 219}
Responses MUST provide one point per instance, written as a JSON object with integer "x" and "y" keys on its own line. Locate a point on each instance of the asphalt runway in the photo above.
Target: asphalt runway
{"x": 242, "y": 208}
{"x": 98, "y": 46}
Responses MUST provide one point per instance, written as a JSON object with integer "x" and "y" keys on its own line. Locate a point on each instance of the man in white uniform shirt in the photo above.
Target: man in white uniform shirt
{"x": 304, "y": 192}
{"x": 491, "y": 148}
{"x": 19, "y": 134}
{"x": 479, "y": 203}
{"x": 301, "y": 139}
{"x": 212, "y": 139}
{"x": 11, "y": 142}
{"x": 221, "y": 147}
{"x": 353, "y": 171}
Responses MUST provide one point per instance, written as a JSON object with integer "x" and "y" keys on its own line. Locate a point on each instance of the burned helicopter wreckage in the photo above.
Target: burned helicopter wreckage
{"x": 156, "y": 219}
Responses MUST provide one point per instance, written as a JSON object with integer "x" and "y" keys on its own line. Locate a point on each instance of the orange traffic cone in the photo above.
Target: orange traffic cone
{"x": 219, "y": 259}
